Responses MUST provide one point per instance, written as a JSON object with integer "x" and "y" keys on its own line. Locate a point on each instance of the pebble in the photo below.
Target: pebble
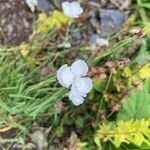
{"x": 111, "y": 21}
{"x": 96, "y": 41}
{"x": 43, "y": 5}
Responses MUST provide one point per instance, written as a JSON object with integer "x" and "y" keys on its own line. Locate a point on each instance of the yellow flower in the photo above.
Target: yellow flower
{"x": 132, "y": 131}
{"x": 147, "y": 28}
{"x": 24, "y": 49}
{"x": 145, "y": 71}
{"x": 42, "y": 17}
{"x": 48, "y": 22}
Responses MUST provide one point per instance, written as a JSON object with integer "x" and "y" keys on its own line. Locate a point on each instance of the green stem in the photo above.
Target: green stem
{"x": 102, "y": 99}
{"x": 111, "y": 50}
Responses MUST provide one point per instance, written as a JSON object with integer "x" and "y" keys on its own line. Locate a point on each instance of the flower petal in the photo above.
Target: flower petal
{"x": 75, "y": 90}
{"x": 79, "y": 68}
{"x": 67, "y": 9}
{"x": 59, "y": 72}
{"x": 76, "y": 9}
{"x": 72, "y": 9}
{"x": 75, "y": 97}
{"x": 32, "y": 3}
{"x": 65, "y": 76}
{"x": 83, "y": 85}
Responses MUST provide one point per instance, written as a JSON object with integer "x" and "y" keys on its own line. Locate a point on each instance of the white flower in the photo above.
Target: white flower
{"x": 32, "y": 4}
{"x": 74, "y": 76}
{"x": 72, "y": 9}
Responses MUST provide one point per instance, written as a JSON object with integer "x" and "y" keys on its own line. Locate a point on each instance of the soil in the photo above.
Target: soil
{"x": 15, "y": 21}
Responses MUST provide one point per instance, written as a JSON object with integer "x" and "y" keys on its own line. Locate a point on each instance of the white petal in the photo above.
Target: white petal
{"x": 65, "y": 76}
{"x": 76, "y": 101}
{"x": 76, "y": 7}
{"x": 83, "y": 85}
{"x": 75, "y": 90}
{"x": 32, "y": 2}
{"x": 75, "y": 97}
{"x": 72, "y": 9}
{"x": 79, "y": 68}
{"x": 67, "y": 9}
{"x": 77, "y": 10}
{"x": 59, "y": 72}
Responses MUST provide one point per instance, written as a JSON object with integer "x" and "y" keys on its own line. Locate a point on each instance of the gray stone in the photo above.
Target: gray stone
{"x": 43, "y": 5}
{"x": 111, "y": 21}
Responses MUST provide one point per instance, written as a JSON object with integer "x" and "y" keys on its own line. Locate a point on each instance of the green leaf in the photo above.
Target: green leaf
{"x": 59, "y": 131}
{"x": 145, "y": 5}
{"x": 137, "y": 106}
{"x": 143, "y": 55}
{"x": 99, "y": 85}
{"x": 79, "y": 122}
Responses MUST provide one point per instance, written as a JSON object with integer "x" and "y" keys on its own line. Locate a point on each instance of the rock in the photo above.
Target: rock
{"x": 76, "y": 38}
{"x": 67, "y": 44}
{"x": 121, "y": 4}
{"x": 39, "y": 138}
{"x": 106, "y": 21}
{"x": 111, "y": 21}
{"x": 96, "y": 41}
{"x": 44, "y": 5}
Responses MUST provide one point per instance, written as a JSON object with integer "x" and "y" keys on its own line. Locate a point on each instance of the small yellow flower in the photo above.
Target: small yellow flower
{"x": 145, "y": 71}
{"x": 24, "y": 49}
{"x": 42, "y": 17}
{"x": 48, "y": 22}
{"x": 147, "y": 28}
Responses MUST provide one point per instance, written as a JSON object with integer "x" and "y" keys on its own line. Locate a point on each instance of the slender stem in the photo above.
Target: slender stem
{"x": 102, "y": 99}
